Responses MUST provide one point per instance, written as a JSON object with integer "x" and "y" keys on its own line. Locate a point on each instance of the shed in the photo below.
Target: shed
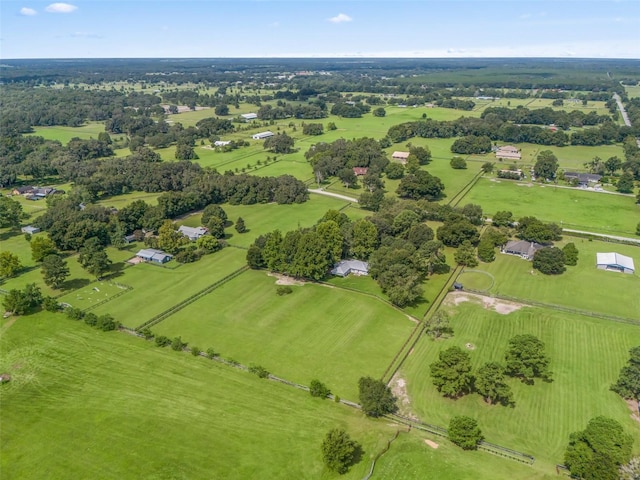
{"x": 346, "y": 267}
{"x": 31, "y": 230}
{"x": 262, "y": 135}
{"x": 457, "y": 286}
{"x": 153, "y": 255}
{"x": 400, "y": 156}
{"x": 615, "y": 262}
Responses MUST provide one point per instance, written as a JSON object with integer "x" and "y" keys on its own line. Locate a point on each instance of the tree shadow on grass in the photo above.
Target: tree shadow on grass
{"x": 358, "y": 454}
{"x": 75, "y": 284}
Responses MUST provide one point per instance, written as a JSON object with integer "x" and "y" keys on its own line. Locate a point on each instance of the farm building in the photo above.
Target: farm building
{"x": 153, "y": 255}
{"x": 262, "y": 135}
{"x": 615, "y": 262}
{"x": 521, "y": 248}
{"x": 400, "y": 156}
{"x": 508, "y": 152}
{"x": 345, "y": 267}
{"x": 249, "y": 116}
{"x": 30, "y": 229}
{"x": 360, "y": 170}
{"x": 192, "y": 233}
{"x": 221, "y": 143}
{"x": 129, "y": 238}
{"x": 582, "y": 178}
{"x": 30, "y": 191}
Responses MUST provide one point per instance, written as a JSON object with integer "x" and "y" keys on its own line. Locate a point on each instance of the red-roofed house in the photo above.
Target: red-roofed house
{"x": 360, "y": 170}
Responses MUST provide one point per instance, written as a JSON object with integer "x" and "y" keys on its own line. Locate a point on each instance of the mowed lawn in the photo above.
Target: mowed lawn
{"x": 570, "y": 207}
{"x": 88, "y": 404}
{"x": 586, "y": 356}
{"x": 155, "y": 289}
{"x": 319, "y": 332}
{"x": 582, "y": 287}
{"x": 64, "y": 134}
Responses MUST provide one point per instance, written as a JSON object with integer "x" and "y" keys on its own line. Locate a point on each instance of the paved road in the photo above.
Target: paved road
{"x": 319, "y": 191}
{"x": 623, "y": 112}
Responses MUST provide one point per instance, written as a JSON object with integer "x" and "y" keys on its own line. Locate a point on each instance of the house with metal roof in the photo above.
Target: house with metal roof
{"x": 193, "y": 233}
{"x": 346, "y": 267}
{"x": 153, "y": 255}
{"x": 262, "y": 135}
{"x": 249, "y": 116}
{"x": 400, "y": 157}
{"x": 521, "y": 248}
{"x": 615, "y": 262}
{"x": 30, "y": 229}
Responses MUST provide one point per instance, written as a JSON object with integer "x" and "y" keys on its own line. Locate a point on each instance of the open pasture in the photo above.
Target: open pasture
{"x": 319, "y": 332}
{"x": 264, "y": 218}
{"x": 583, "y": 286}
{"x": 156, "y": 288}
{"x": 87, "y": 404}
{"x": 586, "y": 356}
{"x": 64, "y": 134}
{"x": 125, "y": 199}
{"x": 569, "y": 207}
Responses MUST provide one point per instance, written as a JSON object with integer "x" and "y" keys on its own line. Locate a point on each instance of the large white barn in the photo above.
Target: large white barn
{"x": 615, "y": 262}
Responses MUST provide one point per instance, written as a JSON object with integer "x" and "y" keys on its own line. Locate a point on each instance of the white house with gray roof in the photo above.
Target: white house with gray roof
{"x": 192, "y": 233}
{"x": 346, "y": 267}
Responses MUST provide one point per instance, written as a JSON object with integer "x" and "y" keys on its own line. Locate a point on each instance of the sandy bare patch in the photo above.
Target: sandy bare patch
{"x": 285, "y": 280}
{"x": 410, "y": 351}
{"x": 470, "y": 346}
{"x": 413, "y": 319}
{"x": 431, "y": 443}
{"x": 633, "y": 406}
{"x": 494, "y": 180}
{"x": 503, "y": 307}
{"x": 399, "y": 389}
{"x": 525, "y": 184}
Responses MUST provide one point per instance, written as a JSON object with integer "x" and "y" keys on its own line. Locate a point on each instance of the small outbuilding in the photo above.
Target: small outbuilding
{"x": 153, "y": 255}
{"x": 400, "y": 157}
{"x": 346, "y": 267}
{"x": 249, "y": 116}
{"x": 262, "y": 135}
{"x": 615, "y": 262}
{"x": 221, "y": 143}
{"x": 457, "y": 286}
{"x": 508, "y": 152}
{"x": 31, "y": 230}
{"x": 192, "y": 233}
{"x": 521, "y": 248}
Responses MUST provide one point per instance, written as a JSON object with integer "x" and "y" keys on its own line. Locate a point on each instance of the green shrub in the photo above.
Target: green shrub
{"x": 284, "y": 290}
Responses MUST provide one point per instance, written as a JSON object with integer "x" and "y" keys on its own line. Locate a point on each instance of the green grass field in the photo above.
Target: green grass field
{"x": 85, "y": 404}
{"x": 64, "y": 134}
{"x": 156, "y": 289}
{"x": 573, "y": 208}
{"x": 586, "y": 355}
{"x": 315, "y": 332}
{"x": 583, "y": 287}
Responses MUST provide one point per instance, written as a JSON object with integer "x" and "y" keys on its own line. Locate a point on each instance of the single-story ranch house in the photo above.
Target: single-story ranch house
{"x": 400, "y": 157}
{"x": 582, "y": 178}
{"x": 262, "y": 135}
{"x": 615, "y": 262}
{"x": 192, "y": 233}
{"x": 345, "y": 267}
{"x": 508, "y": 152}
{"x": 359, "y": 171}
{"x": 521, "y": 248}
{"x": 30, "y": 230}
{"x": 153, "y": 255}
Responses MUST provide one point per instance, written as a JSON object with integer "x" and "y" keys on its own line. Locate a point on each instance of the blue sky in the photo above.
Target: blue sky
{"x": 307, "y": 28}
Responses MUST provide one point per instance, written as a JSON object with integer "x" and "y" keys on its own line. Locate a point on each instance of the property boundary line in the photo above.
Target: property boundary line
{"x": 457, "y": 198}
{"x": 383, "y": 451}
{"x": 553, "y": 306}
{"x": 187, "y": 301}
{"x": 127, "y": 289}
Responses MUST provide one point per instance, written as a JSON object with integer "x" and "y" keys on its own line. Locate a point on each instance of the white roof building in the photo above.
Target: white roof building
{"x": 221, "y": 143}
{"x": 249, "y": 116}
{"x": 615, "y": 262}
{"x": 192, "y": 233}
{"x": 262, "y": 135}
{"x": 345, "y": 267}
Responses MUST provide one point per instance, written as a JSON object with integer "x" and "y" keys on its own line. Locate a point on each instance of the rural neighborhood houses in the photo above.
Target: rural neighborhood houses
{"x": 615, "y": 262}
{"x": 508, "y": 152}
{"x": 153, "y": 255}
{"x": 521, "y": 248}
{"x": 346, "y": 267}
{"x": 262, "y": 135}
{"x": 193, "y": 233}
{"x": 34, "y": 193}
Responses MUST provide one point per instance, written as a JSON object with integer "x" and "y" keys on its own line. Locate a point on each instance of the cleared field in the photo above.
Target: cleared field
{"x": 573, "y": 208}
{"x": 156, "y": 289}
{"x": 586, "y": 357}
{"x": 315, "y": 332}
{"x": 85, "y": 404}
{"x": 126, "y": 198}
{"x": 264, "y": 218}
{"x": 583, "y": 287}
{"x": 64, "y": 134}
{"x": 632, "y": 91}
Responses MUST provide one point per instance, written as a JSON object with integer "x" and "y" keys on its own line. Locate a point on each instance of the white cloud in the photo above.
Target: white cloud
{"x": 61, "y": 8}
{"x": 340, "y": 18}
{"x": 27, "y": 11}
